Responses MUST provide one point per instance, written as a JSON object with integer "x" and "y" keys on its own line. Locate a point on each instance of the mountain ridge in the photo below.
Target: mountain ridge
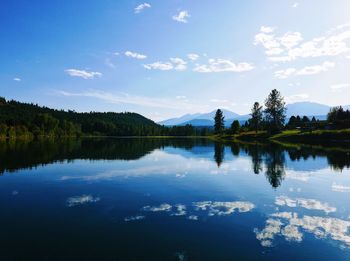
{"x": 309, "y": 109}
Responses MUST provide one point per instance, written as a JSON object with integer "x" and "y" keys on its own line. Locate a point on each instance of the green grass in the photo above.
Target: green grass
{"x": 327, "y": 138}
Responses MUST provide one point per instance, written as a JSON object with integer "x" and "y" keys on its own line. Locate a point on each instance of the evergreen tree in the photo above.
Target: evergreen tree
{"x": 292, "y": 122}
{"x": 219, "y": 122}
{"x": 256, "y": 117}
{"x": 275, "y": 112}
{"x": 235, "y": 127}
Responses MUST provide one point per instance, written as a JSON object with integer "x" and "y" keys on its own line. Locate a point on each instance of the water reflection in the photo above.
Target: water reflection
{"x": 269, "y": 159}
{"x": 219, "y": 153}
{"x": 214, "y": 201}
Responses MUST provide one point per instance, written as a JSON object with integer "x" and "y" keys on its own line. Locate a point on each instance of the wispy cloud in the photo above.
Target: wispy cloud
{"x": 176, "y": 64}
{"x": 295, "y": 5}
{"x": 163, "y": 66}
{"x": 340, "y": 188}
{"x": 180, "y": 64}
{"x": 109, "y": 63}
{"x": 311, "y": 204}
{"x": 135, "y": 55}
{"x": 193, "y": 56}
{"x": 134, "y": 218}
{"x": 297, "y": 97}
{"x": 339, "y": 87}
{"x": 81, "y": 200}
{"x": 182, "y": 16}
{"x": 170, "y": 103}
{"x": 308, "y": 70}
{"x": 222, "y": 65}
{"x": 83, "y": 74}
{"x": 17, "y": 79}
{"x": 291, "y": 45}
{"x": 138, "y": 9}
{"x": 316, "y": 69}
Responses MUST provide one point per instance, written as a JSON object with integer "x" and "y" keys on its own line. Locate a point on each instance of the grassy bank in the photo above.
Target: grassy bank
{"x": 317, "y": 137}
{"x": 314, "y": 137}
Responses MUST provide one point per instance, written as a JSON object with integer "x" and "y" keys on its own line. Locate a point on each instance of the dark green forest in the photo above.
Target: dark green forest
{"x": 24, "y": 120}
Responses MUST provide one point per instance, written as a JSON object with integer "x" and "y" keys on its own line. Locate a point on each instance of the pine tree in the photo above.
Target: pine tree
{"x": 219, "y": 122}
{"x": 256, "y": 116}
{"x": 275, "y": 112}
{"x": 235, "y": 126}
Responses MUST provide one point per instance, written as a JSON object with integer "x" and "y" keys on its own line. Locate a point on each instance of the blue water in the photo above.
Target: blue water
{"x": 124, "y": 199}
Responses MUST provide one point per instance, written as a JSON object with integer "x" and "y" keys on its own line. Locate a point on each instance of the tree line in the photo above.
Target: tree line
{"x": 24, "y": 120}
{"x": 272, "y": 117}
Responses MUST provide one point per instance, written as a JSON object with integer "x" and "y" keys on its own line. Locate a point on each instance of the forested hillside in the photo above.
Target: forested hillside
{"x": 19, "y": 119}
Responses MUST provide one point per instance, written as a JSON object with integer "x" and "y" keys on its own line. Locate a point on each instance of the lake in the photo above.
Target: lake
{"x": 172, "y": 199}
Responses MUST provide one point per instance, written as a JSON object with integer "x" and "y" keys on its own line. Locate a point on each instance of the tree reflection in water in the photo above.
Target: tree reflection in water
{"x": 219, "y": 152}
{"x": 268, "y": 158}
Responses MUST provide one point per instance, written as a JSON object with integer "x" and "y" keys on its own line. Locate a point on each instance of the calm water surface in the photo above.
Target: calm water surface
{"x": 149, "y": 199}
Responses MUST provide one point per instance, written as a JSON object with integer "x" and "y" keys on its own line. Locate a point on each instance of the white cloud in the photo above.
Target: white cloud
{"x": 291, "y": 46}
{"x": 272, "y": 228}
{"x": 179, "y": 97}
{"x": 322, "y": 227}
{"x": 81, "y": 200}
{"x": 135, "y": 55}
{"x": 290, "y": 39}
{"x": 192, "y": 217}
{"x": 267, "y": 29}
{"x": 297, "y": 97}
{"x": 340, "y": 188}
{"x": 162, "y": 207}
{"x": 193, "y": 56}
{"x": 123, "y": 98}
{"x": 163, "y": 66}
{"x": 182, "y": 16}
{"x": 134, "y": 218}
{"x": 17, "y": 79}
{"x": 339, "y": 87}
{"x": 176, "y": 64}
{"x": 180, "y": 210}
{"x": 217, "y": 208}
{"x": 83, "y": 74}
{"x": 284, "y": 74}
{"x": 311, "y": 204}
{"x": 138, "y": 9}
{"x": 222, "y": 65}
{"x": 211, "y": 208}
{"x": 308, "y": 70}
{"x": 295, "y": 5}
{"x": 179, "y": 64}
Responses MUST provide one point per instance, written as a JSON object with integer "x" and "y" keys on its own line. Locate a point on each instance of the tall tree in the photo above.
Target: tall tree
{"x": 256, "y": 116}
{"x": 275, "y": 111}
{"x": 219, "y": 122}
{"x": 235, "y": 126}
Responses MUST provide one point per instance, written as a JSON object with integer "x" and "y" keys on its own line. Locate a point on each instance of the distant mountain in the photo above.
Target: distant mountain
{"x": 209, "y": 116}
{"x": 309, "y": 109}
{"x": 201, "y": 119}
{"x": 199, "y": 122}
{"x": 180, "y": 120}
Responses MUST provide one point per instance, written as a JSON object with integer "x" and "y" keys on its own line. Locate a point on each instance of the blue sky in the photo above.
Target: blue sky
{"x": 167, "y": 58}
